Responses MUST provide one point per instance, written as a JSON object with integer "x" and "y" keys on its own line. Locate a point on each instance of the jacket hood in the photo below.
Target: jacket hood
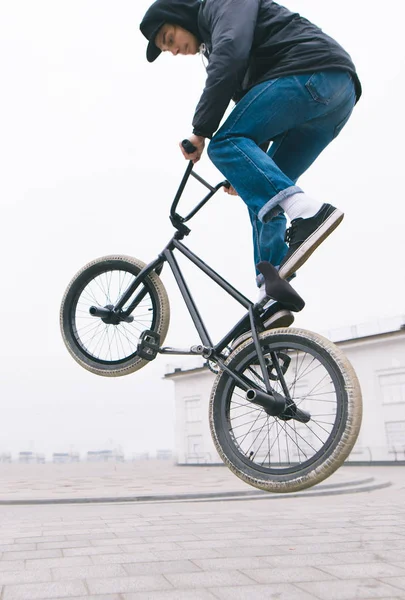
{"x": 175, "y": 12}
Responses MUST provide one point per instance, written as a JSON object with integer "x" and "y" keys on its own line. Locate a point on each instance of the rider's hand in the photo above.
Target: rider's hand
{"x": 199, "y": 143}
{"x": 231, "y": 190}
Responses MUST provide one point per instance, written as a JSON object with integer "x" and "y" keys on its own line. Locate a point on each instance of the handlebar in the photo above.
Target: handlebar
{"x": 175, "y": 218}
{"x": 188, "y": 146}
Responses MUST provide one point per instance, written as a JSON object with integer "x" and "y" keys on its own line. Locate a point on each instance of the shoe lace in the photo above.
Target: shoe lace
{"x": 290, "y": 233}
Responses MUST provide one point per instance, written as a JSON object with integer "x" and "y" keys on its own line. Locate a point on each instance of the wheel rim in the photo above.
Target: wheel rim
{"x": 107, "y": 343}
{"x": 271, "y": 445}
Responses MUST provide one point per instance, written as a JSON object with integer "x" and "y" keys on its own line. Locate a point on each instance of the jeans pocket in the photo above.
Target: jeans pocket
{"x": 326, "y": 85}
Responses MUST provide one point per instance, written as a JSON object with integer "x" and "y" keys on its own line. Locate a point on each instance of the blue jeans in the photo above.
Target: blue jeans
{"x": 301, "y": 114}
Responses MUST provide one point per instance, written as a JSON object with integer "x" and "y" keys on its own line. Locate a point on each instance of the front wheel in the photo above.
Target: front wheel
{"x": 99, "y": 345}
{"x": 285, "y": 454}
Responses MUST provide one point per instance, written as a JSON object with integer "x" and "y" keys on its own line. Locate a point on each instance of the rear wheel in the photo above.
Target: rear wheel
{"x": 283, "y": 454}
{"x": 101, "y": 346}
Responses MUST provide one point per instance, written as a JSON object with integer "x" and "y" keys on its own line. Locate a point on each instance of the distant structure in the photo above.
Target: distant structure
{"x": 140, "y": 456}
{"x": 105, "y": 456}
{"x": 30, "y": 457}
{"x": 65, "y": 457}
{"x": 164, "y": 454}
{"x": 377, "y": 353}
{"x": 5, "y": 457}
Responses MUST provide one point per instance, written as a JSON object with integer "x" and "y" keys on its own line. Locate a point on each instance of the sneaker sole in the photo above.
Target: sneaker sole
{"x": 282, "y": 318}
{"x": 302, "y": 253}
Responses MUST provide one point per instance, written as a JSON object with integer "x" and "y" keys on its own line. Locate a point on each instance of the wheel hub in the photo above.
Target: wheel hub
{"x": 289, "y": 412}
{"x": 113, "y": 318}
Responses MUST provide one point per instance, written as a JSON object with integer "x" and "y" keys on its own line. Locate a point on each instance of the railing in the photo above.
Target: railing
{"x": 372, "y": 454}
{"x": 201, "y": 458}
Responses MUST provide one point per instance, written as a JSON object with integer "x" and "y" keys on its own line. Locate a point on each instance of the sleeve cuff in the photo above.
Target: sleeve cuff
{"x": 202, "y": 133}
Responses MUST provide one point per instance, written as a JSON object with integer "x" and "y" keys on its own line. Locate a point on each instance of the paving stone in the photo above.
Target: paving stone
{"x": 287, "y": 575}
{"x": 220, "y": 543}
{"x": 387, "y": 556}
{"x": 231, "y": 564}
{"x": 30, "y": 554}
{"x": 158, "y": 539}
{"x": 123, "y": 557}
{"x": 85, "y": 572}
{"x": 77, "y": 537}
{"x": 231, "y": 534}
{"x": 359, "y": 556}
{"x": 41, "y": 591}
{"x": 374, "y": 570}
{"x": 102, "y": 597}
{"x": 17, "y": 547}
{"x": 161, "y": 529}
{"x": 128, "y": 584}
{"x": 49, "y": 563}
{"x": 391, "y": 545}
{"x": 208, "y": 579}
{"x": 311, "y": 540}
{"x": 351, "y": 589}
{"x": 25, "y": 576}
{"x": 41, "y": 538}
{"x": 302, "y": 560}
{"x": 82, "y": 532}
{"x": 117, "y": 541}
{"x": 11, "y": 565}
{"x": 152, "y": 547}
{"x": 161, "y": 567}
{"x": 170, "y": 595}
{"x": 254, "y": 551}
{"x": 187, "y": 554}
{"x": 326, "y": 547}
{"x": 262, "y": 592}
{"x": 62, "y": 545}
{"x": 398, "y": 582}
{"x": 252, "y": 528}
{"x": 90, "y": 550}
{"x": 368, "y": 536}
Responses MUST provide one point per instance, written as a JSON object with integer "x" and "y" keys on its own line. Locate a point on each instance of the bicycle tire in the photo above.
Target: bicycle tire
{"x": 111, "y": 275}
{"x": 279, "y": 473}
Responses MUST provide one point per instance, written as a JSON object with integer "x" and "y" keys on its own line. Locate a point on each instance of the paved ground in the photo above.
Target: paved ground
{"x": 343, "y": 540}
{"x": 140, "y": 479}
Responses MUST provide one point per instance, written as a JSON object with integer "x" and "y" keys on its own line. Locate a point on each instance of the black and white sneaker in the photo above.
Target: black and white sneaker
{"x": 274, "y": 316}
{"x": 305, "y": 235}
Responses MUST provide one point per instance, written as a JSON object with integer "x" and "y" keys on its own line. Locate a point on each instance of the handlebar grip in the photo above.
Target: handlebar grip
{"x": 188, "y": 146}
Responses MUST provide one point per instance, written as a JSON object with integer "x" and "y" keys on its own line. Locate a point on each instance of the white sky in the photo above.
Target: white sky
{"x": 89, "y": 166}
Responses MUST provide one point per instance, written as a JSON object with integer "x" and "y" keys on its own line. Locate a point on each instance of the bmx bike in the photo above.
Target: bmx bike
{"x": 285, "y": 408}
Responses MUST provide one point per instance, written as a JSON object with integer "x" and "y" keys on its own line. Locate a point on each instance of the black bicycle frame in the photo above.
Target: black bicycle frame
{"x": 250, "y": 321}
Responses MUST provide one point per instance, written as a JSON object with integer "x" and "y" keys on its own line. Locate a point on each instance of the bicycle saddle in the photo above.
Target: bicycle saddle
{"x": 279, "y": 289}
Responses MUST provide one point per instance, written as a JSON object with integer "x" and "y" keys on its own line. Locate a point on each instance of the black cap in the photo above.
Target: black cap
{"x": 175, "y": 12}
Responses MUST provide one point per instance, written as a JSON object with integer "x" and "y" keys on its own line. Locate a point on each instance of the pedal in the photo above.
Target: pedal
{"x": 148, "y": 345}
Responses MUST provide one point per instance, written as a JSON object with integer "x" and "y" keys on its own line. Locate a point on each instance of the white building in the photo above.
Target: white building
{"x": 377, "y": 353}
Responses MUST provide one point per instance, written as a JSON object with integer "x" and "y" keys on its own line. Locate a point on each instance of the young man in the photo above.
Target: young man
{"x": 293, "y": 85}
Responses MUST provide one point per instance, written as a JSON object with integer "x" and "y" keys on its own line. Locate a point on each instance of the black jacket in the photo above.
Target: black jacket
{"x": 251, "y": 41}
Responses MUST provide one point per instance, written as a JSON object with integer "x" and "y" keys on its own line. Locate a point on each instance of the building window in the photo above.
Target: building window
{"x": 393, "y": 387}
{"x": 395, "y": 432}
{"x": 193, "y": 409}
